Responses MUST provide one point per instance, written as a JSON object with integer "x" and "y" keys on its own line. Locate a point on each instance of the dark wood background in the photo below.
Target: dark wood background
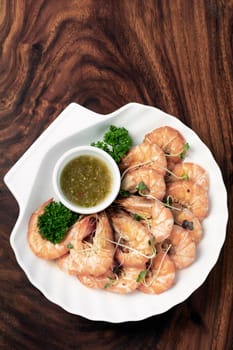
{"x": 172, "y": 54}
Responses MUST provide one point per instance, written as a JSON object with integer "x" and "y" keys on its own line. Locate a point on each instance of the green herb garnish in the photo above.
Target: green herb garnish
{"x": 185, "y": 149}
{"x": 124, "y": 193}
{"x": 168, "y": 201}
{"x": 141, "y": 187}
{"x": 185, "y": 177}
{"x": 141, "y": 275}
{"x": 152, "y": 242}
{"x": 116, "y": 142}
{"x": 102, "y": 145}
{"x": 137, "y": 217}
{"x": 70, "y": 246}
{"x": 54, "y": 223}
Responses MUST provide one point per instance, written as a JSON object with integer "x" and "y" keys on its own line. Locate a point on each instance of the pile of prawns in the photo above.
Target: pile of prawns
{"x": 142, "y": 239}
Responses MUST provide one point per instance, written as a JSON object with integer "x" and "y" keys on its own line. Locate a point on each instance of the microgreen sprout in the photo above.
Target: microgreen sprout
{"x": 70, "y": 246}
{"x": 141, "y": 187}
{"x": 185, "y": 177}
{"x": 183, "y": 153}
{"x": 168, "y": 201}
{"x": 137, "y": 217}
{"x": 152, "y": 242}
{"x": 182, "y": 177}
{"x": 124, "y": 193}
{"x": 141, "y": 275}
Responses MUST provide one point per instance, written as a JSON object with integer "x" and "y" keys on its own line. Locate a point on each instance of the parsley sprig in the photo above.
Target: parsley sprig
{"x": 54, "y": 223}
{"x": 116, "y": 142}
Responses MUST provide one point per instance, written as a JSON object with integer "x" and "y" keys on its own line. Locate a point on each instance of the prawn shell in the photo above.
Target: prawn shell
{"x": 161, "y": 277}
{"x": 142, "y": 154}
{"x": 124, "y": 284}
{"x": 159, "y": 219}
{"x": 194, "y": 172}
{"x": 183, "y": 252}
{"x": 137, "y": 205}
{"x": 153, "y": 180}
{"x": 137, "y": 237}
{"x": 183, "y": 214}
{"x": 190, "y": 195}
{"x": 68, "y": 264}
{"x": 90, "y": 258}
{"x": 170, "y": 141}
{"x": 162, "y": 221}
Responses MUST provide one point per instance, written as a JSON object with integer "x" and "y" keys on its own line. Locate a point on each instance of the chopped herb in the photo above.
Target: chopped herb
{"x": 185, "y": 177}
{"x": 141, "y": 187}
{"x": 70, "y": 246}
{"x": 137, "y": 217}
{"x": 116, "y": 142}
{"x": 183, "y": 153}
{"x": 152, "y": 242}
{"x": 141, "y": 275}
{"x": 124, "y": 193}
{"x": 168, "y": 201}
{"x": 54, "y": 223}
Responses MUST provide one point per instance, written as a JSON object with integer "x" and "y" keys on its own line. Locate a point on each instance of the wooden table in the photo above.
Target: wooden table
{"x": 172, "y": 54}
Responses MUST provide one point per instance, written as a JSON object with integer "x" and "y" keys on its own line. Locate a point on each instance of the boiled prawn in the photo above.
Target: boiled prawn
{"x": 160, "y": 276}
{"x": 40, "y": 246}
{"x": 91, "y": 249}
{"x": 132, "y": 240}
{"x": 170, "y": 140}
{"x": 153, "y": 180}
{"x": 189, "y": 195}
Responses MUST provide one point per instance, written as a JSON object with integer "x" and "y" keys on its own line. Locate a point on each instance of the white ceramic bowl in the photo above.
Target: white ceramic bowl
{"x": 97, "y": 153}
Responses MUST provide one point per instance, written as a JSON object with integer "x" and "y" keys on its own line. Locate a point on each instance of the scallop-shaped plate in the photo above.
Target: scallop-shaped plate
{"x": 30, "y": 181}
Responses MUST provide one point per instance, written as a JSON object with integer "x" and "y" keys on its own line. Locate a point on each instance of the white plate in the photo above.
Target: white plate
{"x": 30, "y": 181}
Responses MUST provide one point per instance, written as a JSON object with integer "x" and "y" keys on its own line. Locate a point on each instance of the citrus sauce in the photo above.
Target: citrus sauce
{"x": 86, "y": 181}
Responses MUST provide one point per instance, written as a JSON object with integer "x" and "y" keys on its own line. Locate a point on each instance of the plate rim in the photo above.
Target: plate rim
{"x": 100, "y": 118}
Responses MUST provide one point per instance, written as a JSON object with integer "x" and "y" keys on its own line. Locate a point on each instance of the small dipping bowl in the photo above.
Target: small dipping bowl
{"x": 95, "y": 152}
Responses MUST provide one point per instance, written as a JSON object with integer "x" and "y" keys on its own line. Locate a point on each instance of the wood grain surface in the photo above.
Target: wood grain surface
{"x": 172, "y": 54}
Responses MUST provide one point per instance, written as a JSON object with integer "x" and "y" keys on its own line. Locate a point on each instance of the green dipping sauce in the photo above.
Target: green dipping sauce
{"x": 86, "y": 181}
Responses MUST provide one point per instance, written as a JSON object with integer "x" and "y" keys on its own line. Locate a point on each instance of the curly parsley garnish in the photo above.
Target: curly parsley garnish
{"x": 54, "y": 223}
{"x": 116, "y": 142}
